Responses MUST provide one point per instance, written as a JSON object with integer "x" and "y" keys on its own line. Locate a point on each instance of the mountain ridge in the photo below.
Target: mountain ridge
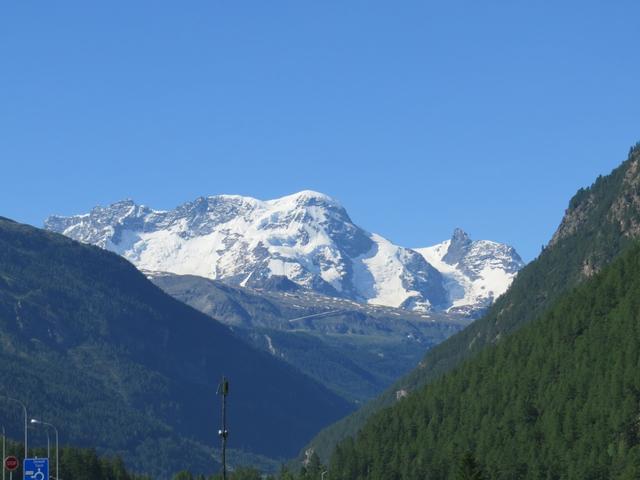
{"x": 307, "y": 237}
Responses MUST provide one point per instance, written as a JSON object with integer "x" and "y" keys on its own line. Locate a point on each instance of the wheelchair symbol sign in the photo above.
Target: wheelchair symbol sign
{"x": 36, "y": 469}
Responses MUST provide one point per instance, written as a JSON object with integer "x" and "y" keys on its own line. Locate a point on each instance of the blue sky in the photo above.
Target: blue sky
{"x": 418, "y": 116}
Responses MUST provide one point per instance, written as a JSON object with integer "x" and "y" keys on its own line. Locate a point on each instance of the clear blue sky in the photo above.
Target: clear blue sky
{"x": 418, "y": 116}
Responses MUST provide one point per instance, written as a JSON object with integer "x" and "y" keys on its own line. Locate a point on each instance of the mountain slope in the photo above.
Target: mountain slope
{"x": 307, "y": 237}
{"x": 600, "y": 222}
{"x": 558, "y": 399}
{"x": 355, "y": 350}
{"x": 90, "y": 344}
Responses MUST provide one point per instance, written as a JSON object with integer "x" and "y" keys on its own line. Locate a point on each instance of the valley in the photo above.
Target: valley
{"x": 355, "y": 350}
{"x": 320, "y": 240}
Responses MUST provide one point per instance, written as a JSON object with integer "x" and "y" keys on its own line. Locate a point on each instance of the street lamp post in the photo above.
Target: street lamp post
{"x": 48, "y": 443}
{"x": 47, "y": 424}
{"x": 4, "y": 450}
{"x": 24, "y": 410}
{"x": 46, "y": 432}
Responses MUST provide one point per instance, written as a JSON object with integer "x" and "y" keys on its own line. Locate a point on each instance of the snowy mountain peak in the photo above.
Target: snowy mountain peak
{"x": 476, "y": 272}
{"x": 309, "y": 197}
{"x": 306, "y": 238}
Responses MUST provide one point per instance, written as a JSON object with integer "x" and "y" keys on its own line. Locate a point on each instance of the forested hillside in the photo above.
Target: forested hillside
{"x": 600, "y": 221}
{"x": 558, "y": 399}
{"x": 88, "y": 343}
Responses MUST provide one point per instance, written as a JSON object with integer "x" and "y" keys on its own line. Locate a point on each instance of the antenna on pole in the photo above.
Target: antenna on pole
{"x": 223, "y": 433}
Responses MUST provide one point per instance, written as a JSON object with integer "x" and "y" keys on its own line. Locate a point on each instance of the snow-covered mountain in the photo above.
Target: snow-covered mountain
{"x": 475, "y": 272}
{"x": 307, "y": 237}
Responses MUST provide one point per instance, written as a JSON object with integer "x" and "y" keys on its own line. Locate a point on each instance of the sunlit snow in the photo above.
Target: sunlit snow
{"x": 306, "y": 237}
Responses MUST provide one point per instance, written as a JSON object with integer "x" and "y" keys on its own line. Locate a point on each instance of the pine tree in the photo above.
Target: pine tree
{"x": 468, "y": 468}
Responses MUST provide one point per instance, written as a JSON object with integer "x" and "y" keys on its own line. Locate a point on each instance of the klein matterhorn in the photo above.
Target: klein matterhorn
{"x": 307, "y": 237}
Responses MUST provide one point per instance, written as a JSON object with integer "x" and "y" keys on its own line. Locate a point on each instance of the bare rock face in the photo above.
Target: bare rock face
{"x": 573, "y": 219}
{"x": 458, "y": 247}
{"x": 621, "y": 206}
{"x": 624, "y": 209}
{"x": 609, "y": 210}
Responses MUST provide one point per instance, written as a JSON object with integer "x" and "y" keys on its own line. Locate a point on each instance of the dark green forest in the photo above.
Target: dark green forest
{"x": 312, "y": 470}
{"x": 600, "y": 222}
{"x": 560, "y": 399}
{"x": 76, "y": 463}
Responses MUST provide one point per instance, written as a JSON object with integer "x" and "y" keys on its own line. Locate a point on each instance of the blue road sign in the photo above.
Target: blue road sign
{"x": 36, "y": 469}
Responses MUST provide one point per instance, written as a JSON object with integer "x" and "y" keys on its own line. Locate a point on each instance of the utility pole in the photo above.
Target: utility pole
{"x": 24, "y": 410}
{"x": 47, "y": 424}
{"x": 223, "y": 389}
{"x": 48, "y": 446}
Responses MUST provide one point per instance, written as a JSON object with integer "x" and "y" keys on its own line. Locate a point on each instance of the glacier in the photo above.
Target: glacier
{"x": 307, "y": 237}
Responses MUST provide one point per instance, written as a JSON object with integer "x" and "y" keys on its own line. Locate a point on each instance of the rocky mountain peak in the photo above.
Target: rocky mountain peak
{"x": 460, "y": 236}
{"x": 458, "y": 246}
